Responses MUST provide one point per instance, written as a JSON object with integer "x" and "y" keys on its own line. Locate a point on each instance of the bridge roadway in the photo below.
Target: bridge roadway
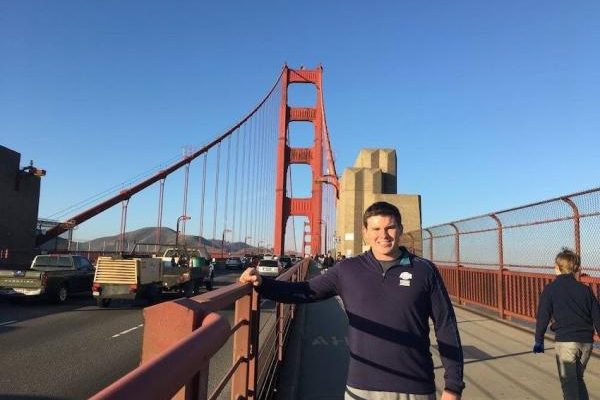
{"x": 499, "y": 363}
{"x": 74, "y": 350}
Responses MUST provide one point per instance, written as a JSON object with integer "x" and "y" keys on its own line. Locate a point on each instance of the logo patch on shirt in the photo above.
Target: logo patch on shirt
{"x": 405, "y": 278}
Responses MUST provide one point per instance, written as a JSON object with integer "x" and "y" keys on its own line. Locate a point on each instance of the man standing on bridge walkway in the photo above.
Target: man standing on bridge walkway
{"x": 389, "y": 294}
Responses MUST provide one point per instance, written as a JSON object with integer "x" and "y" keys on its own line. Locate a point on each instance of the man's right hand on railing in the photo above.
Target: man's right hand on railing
{"x": 250, "y": 275}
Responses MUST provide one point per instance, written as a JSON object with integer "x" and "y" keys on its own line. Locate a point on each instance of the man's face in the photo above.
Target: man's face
{"x": 383, "y": 235}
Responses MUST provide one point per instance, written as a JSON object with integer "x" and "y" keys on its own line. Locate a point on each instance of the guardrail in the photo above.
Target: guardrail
{"x": 501, "y": 261}
{"x": 509, "y": 293}
{"x": 181, "y": 336}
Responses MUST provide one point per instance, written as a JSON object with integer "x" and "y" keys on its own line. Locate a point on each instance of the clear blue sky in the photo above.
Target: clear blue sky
{"x": 489, "y": 106}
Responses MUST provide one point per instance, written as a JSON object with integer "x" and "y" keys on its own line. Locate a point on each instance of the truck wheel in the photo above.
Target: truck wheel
{"x": 61, "y": 294}
{"x": 154, "y": 294}
{"x": 209, "y": 284}
{"x": 197, "y": 284}
{"x": 188, "y": 289}
{"x": 103, "y": 302}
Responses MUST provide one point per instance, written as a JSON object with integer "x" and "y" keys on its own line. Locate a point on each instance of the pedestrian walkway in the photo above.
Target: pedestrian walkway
{"x": 499, "y": 363}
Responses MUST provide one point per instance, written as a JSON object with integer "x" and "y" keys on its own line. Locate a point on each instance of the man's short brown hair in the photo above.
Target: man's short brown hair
{"x": 382, "y": 208}
{"x": 567, "y": 261}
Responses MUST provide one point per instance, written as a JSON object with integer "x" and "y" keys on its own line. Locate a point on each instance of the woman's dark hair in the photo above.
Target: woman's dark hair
{"x": 382, "y": 208}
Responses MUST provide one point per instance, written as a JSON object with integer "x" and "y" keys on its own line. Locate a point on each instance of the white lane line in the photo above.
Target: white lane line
{"x": 127, "y": 331}
{"x": 7, "y": 323}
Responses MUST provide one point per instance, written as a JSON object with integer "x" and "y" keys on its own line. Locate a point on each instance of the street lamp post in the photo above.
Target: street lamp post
{"x": 246, "y": 239}
{"x": 325, "y": 238}
{"x": 223, "y": 241}
{"x": 181, "y": 218}
{"x": 259, "y": 246}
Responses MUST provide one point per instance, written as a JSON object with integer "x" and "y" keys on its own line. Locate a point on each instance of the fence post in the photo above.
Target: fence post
{"x": 576, "y": 217}
{"x": 253, "y": 355}
{"x": 500, "y": 284}
{"x": 457, "y": 251}
{"x": 241, "y": 347}
{"x": 430, "y": 244}
{"x": 576, "y": 229}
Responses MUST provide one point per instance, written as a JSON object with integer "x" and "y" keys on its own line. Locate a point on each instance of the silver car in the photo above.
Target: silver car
{"x": 234, "y": 262}
{"x": 269, "y": 268}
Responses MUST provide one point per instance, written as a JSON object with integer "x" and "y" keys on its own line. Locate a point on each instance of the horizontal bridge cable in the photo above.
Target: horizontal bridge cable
{"x": 127, "y": 193}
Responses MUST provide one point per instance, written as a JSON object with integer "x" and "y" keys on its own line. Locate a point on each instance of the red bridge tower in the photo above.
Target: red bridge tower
{"x": 313, "y": 156}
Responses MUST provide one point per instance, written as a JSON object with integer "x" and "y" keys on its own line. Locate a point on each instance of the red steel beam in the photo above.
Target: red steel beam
{"x": 300, "y": 156}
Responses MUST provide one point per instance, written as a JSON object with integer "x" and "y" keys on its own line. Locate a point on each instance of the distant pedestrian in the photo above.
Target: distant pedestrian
{"x": 575, "y": 311}
{"x": 389, "y": 295}
{"x": 328, "y": 261}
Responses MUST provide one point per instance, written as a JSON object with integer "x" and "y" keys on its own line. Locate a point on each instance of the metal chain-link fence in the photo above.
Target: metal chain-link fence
{"x": 503, "y": 260}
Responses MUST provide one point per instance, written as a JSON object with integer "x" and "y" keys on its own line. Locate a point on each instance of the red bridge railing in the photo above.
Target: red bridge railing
{"x": 511, "y": 294}
{"x": 181, "y": 336}
{"x": 501, "y": 261}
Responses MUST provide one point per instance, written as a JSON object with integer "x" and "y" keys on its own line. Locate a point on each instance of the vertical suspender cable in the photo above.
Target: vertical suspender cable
{"x": 261, "y": 175}
{"x": 235, "y": 185}
{"x": 201, "y": 233}
{"x": 242, "y": 182}
{"x": 258, "y": 183}
{"x": 161, "y": 194}
{"x": 267, "y": 188}
{"x": 264, "y": 183}
{"x": 269, "y": 203}
{"x": 227, "y": 185}
{"x": 216, "y": 207}
{"x": 247, "y": 181}
{"x": 124, "y": 205}
{"x": 185, "y": 196}
{"x": 271, "y": 194}
{"x": 254, "y": 186}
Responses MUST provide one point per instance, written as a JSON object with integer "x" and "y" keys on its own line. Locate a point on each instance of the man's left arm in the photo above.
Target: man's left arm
{"x": 595, "y": 312}
{"x": 446, "y": 332}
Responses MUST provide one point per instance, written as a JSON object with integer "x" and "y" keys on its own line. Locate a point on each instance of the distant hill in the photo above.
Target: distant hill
{"x": 147, "y": 237}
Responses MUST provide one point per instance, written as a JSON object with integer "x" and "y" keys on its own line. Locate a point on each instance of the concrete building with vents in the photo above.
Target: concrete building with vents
{"x": 372, "y": 178}
{"x": 19, "y": 201}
